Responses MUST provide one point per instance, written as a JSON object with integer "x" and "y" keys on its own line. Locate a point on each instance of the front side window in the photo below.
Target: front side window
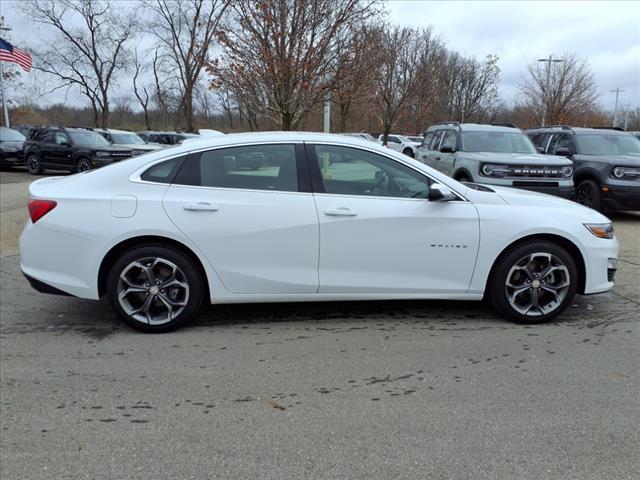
{"x": 604, "y": 144}
{"x": 61, "y": 138}
{"x": 497, "y": 142}
{"x": 255, "y": 167}
{"x": 351, "y": 171}
{"x": 427, "y": 140}
{"x": 393, "y": 139}
{"x": 560, "y": 142}
{"x": 435, "y": 140}
{"x": 449, "y": 139}
{"x": 541, "y": 140}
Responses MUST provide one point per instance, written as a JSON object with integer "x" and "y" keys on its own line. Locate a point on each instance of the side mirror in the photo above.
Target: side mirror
{"x": 447, "y": 149}
{"x": 563, "y": 152}
{"x": 440, "y": 193}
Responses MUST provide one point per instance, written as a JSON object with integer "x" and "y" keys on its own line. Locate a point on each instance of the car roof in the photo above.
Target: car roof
{"x": 576, "y": 130}
{"x": 474, "y": 127}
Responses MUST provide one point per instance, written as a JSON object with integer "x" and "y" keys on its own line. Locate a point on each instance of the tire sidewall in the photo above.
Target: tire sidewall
{"x": 38, "y": 169}
{"x": 188, "y": 267}
{"x": 82, "y": 160}
{"x": 595, "y": 193}
{"x": 499, "y": 276}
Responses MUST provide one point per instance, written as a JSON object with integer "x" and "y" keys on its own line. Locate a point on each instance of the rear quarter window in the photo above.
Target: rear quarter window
{"x": 163, "y": 172}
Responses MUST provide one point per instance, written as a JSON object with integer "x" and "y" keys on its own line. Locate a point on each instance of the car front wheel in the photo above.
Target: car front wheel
{"x": 34, "y": 166}
{"x": 408, "y": 152}
{"x": 83, "y": 165}
{"x": 533, "y": 282}
{"x": 155, "y": 288}
{"x": 588, "y": 194}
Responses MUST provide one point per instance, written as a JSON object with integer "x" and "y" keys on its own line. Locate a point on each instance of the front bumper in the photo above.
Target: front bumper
{"x": 9, "y": 159}
{"x": 545, "y": 187}
{"x": 615, "y": 197}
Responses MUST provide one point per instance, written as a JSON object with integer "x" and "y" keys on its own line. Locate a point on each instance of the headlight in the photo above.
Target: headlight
{"x": 622, "y": 172}
{"x": 103, "y": 154}
{"x": 601, "y": 230}
{"x": 567, "y": 171}
{"x": 490, "y": 170}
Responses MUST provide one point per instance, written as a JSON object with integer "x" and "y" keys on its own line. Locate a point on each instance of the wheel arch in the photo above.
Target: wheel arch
{"x": 586, "y": 174}
{"x": 563, "y": 242}
{"x": 462, "y": 171}
{"x": 120, "y": 248}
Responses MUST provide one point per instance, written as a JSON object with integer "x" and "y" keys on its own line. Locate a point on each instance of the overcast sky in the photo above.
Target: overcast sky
{"x": 606, "y": 33}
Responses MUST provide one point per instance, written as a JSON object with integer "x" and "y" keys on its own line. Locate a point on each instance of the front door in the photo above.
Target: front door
{"x": 380, "y": 234}
{"x": 248, "y": 209}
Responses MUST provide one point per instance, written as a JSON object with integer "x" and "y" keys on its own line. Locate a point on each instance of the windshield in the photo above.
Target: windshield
{"x": 10, "y": 135}
{"x": 126, "y": 138}
{"x": 88, "y": 138}
{"x": 497, "y": 142}
{"x": 603, "y": 144}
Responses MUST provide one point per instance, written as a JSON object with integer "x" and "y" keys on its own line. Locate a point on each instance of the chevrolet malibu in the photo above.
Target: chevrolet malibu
{"x": 323, "y": 218}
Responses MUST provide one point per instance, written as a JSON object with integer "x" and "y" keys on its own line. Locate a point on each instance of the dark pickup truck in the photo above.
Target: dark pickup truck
{"x": 73, "y": 149}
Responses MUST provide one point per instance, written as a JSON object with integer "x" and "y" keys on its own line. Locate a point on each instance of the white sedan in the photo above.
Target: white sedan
{"x": 275, "y": 217}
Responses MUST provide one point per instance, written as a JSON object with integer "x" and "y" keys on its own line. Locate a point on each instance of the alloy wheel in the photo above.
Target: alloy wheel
{"x": 537, "y": 284}
{"x": 153, "y": 290}
{"x": 584, "y": 195}
{"x": 84, "y": 165}
{"x": 33, "y": 164}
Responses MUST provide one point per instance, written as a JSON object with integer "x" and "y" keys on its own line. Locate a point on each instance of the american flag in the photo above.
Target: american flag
{"x": 9, "y": 53}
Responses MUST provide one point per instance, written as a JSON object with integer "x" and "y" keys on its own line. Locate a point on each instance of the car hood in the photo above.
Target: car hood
{"x": 139, "y": 146}
{"x": 617, "y": 160}
{"x": 517, "y": 158}
{"x": 11, "y": 145}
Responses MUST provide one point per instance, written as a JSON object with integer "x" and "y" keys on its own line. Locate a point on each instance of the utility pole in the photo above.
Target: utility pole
{"x": 4, "y": 95}
{"x": 548, "y": 61}
{"x": 626, "y": 107}
{"x": 617, "y": 91}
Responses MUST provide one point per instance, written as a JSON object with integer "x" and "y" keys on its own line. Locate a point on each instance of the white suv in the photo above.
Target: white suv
{"x": 127, "y": 139}
{"x": 401, "y": 144}
{"x": 494, "y": 155}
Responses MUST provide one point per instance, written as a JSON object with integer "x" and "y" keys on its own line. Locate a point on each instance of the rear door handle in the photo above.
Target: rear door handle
{"x": 340, "y": 212}
{"x": 200, "y": 207}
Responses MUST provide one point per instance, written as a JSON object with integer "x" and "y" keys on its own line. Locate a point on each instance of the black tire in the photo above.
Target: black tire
{"x": 508, "y": 266}
{"x": 34, "y": 164}
{"x": 83, "y": 165}
{"x": 408, "y": 152}
{"x": 189, "y": 274}
{"x": 588, "y": 194}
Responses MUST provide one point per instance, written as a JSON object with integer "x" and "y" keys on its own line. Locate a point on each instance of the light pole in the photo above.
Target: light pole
{"x": 548, "y": 61}
{"x": 626, "y": 107}
{"x": 4, "y": 95}
{"x": 617, "y": 91}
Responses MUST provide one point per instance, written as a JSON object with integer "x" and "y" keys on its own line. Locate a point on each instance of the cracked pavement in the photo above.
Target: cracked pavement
{"x": 363, "y": 390}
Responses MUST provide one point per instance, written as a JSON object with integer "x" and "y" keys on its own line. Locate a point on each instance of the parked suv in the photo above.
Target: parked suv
{"x": 494, "y": 155}
{"x": 163, "y": 138}
{"x": 127, "y": 139}
{"x": 73, "y": 149}
{"x": 401, "y": 144}
{"x": 606, "y": 162}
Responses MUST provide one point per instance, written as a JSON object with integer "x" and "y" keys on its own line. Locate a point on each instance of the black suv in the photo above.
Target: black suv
{"x": 73, "y": 149}
{"x": 606, "y": 163}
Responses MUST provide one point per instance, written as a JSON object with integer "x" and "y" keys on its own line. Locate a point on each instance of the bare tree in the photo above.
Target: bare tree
{"x": 141, "y": 92}
{"x": 280, "y": 55}
{"x": 186, "y": 30}
{"x": 88, "y": 49}
{"x": 398, "y": 76}
{"x": 569, "y": 92}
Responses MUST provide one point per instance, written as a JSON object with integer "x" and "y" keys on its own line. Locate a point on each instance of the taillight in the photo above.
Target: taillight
{"x": 39, "y": 208}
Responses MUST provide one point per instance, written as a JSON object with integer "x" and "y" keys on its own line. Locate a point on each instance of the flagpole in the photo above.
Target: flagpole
{"x": 4, "y": 98}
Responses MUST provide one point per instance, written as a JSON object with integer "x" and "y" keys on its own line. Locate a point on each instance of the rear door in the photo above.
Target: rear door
{"x": 380, "y": 234}
{"x": 257, "y": 227}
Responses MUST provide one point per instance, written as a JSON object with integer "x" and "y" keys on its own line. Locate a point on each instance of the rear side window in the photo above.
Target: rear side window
{"x": 255, "y": 167}
{"x": 435, "y": 140}
{"x": 449, "y": 139}
{"x": 163, "y": 172}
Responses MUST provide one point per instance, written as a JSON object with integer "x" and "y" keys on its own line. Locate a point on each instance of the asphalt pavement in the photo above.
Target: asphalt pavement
{"x": 363, "y": 390}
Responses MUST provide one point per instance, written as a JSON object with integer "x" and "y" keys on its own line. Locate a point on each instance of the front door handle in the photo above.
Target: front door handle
{"x": 436, "y": 158}
{"x": 340, "y": 212}
{"x": 200, "y": 207}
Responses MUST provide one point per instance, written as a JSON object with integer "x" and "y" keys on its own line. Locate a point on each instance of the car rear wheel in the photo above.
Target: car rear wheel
{"x": 155, "y": 288}
{"x": 34, "y": 166}
{"x": 588, "y": 194}
{"x": 533, "y": 282}
{"x": 84, "y": 165}
{"x": 408, "y": 152}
